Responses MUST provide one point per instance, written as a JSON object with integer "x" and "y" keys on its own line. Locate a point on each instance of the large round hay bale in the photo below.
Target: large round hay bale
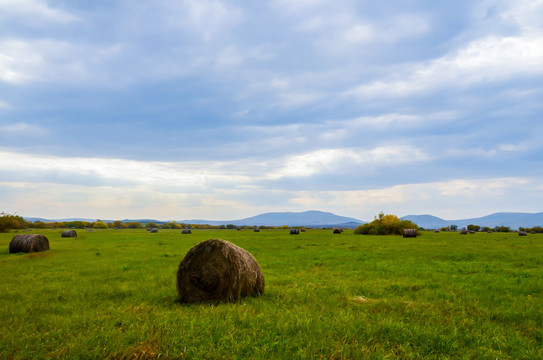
{"x": 154, "y": 230}
{"x": 28, "y": 243}
{"x": 337, "y": 231}
{"x": 69, "y": 233}
{"x": 217, "y": 270}
{"x": 410, "y": 233}
{"x": 522, "y": 233}
{"x": 463, "y": 232}
{"x": 186, "y": 231}
{"x": 294, "y": 231}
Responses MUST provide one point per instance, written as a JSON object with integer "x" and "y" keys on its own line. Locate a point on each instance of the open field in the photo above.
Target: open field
{"x": 111, "y": 294}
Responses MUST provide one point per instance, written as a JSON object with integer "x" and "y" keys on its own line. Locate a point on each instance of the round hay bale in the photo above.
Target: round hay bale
{"x": 337, "y": 231}
{"x": 463, "y": 232}
{"x": 256, "y": 230}
{"x": 154, "y": 230}
{"x": 28, "y": 243}
{"x": 69, "y": 233}
{"x": 294, "y": 231}
{"x": 522, "y": 233}
{"x": 216, "y": 270}
{"x": 410, "y": 233}
{"x": 186, "y": 231}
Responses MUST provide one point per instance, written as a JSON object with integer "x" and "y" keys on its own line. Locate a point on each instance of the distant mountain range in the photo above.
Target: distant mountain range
{"x": 326, "y": 219}
{"x": 512, "y": 219}
{"x": 306, "y": 218}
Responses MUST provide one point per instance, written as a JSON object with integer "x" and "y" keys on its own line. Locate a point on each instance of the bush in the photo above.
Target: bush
{"x": 8, "y": 222}
{"x": 99, "y": 225}
{"x": 386, "y": 225}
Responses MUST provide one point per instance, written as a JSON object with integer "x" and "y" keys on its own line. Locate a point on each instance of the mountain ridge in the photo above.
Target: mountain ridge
{"x": 314, "y": 218}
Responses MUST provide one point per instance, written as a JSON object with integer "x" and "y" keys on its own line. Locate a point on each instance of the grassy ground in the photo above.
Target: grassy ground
{"x": 111, "y": 294}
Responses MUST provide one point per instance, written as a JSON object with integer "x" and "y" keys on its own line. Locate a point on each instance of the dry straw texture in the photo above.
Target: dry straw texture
{"x": 69, "y": 233}
{"x": 216, "y": 270}
{"x": 28, "y": 243}
{"x": 410, "y": 233}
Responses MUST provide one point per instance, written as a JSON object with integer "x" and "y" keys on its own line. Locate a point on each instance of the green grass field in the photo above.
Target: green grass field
{"x": 111, "y": 294}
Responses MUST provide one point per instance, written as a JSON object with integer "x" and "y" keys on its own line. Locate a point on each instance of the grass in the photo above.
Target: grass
{"x": 111, "y": 294}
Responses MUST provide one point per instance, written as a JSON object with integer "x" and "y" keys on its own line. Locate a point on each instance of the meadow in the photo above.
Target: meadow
{"x": 111, "y": 294}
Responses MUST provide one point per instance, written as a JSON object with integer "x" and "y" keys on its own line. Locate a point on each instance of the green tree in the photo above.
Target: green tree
{"x": 76, "y": 224}
{"x": 9, "y": 221}
{"x": 472, "y": 227}
{"x": 99, "y": 225}
{"x": 502, "y": 228}
{"x": 134, "y": 225}
{"x": 385, "y": 224}
{"x": 118, "y": 224}
{"x": 39, "y": 225}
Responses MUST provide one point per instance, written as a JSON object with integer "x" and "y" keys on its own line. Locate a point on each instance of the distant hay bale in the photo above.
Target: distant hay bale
{"x": 186, "y": 231}
{"x": 154, "y": 230}
{"x": 463, "y": 232}
{"x": 256, "y": 230}
{"x": 410, "y": 233}
{"x": 472, "y": 231}
{"x": 294, "y": 231}
{"x": 216, "y": 270}
{"x": 436, "y": 231}
{"x": 69, "y": 233}
{"x": 28, "y": 243}
{"x": 337, "y": 231}
{"x": 522, "y": 233}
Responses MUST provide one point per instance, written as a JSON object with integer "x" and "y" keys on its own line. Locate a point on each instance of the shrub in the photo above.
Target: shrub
{"x": 99, "y": 225}
{"x": 386, "y": 225}
{"x": 8, "y": 222}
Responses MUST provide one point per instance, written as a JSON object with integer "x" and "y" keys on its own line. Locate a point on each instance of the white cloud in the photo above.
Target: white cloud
{"x": 494, "y": 151}
{"x": 210, "y": 17}
{"x": 35, "y": 10}
{"x": 490, "y": 194}
{"x": 22, "y": 128}
{"x": 4, "y": 105}
{"x": 488, "y": 60}
{"x": 47, "y": 60}
{"x": 296, "y": 6}
{"x": 332, "y": 160}
{"x": 163, "y": 175}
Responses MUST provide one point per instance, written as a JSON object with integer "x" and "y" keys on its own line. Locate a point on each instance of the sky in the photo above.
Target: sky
{"x": 219, "y": 110}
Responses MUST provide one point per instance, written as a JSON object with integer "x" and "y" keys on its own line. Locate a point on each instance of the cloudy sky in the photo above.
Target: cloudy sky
{"x": 224, "y": 109}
